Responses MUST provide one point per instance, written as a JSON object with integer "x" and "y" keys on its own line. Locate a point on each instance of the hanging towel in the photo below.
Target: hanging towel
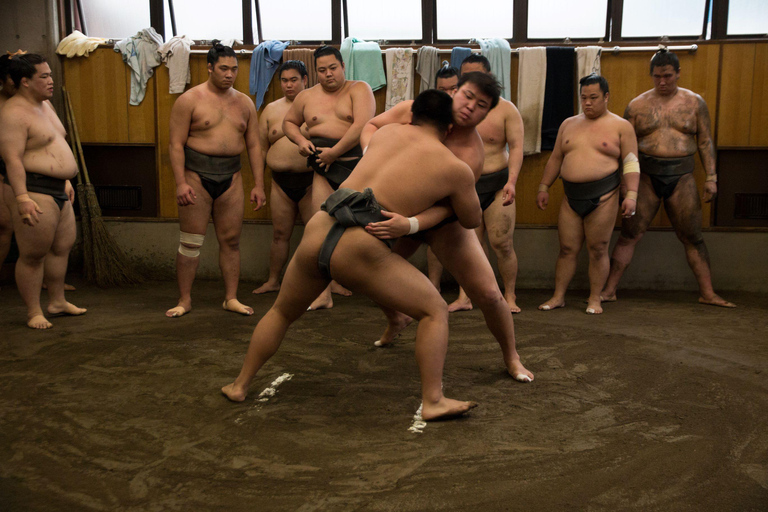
{"x": 427, "y": 64}
{"x": 558, "y": 95}
{"x": 140, "y": 54}
{"x": 458, "y": 54}
{"x": 499, "y": 54}
{"x": 587, "y": 62}
{"x": 264, "y": 63}
{"x": 78, "y": 44}
{"x": 175, "y": 54}
{"x": 531, "y": 78}
{"x": 400, "y": 73}
{"x": 308, "y": 58}
{"x": 362, "y": 61}
{"x": 231, "y": 42}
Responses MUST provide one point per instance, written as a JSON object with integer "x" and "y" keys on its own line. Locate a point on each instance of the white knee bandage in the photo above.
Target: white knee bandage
{"x": 190, "y": 244}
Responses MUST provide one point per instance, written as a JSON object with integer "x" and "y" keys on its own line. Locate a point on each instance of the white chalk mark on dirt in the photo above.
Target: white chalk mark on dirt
{"x": 418, "y": 425}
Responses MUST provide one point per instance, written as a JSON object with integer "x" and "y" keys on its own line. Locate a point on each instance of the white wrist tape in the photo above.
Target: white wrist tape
{"x": 414, "y": 225}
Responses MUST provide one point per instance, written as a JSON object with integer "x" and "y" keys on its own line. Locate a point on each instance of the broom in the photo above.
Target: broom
{"x": 105, "y": 263}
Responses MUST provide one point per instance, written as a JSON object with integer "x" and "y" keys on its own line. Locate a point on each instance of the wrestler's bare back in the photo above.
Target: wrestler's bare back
{"x": 666, "y": 126}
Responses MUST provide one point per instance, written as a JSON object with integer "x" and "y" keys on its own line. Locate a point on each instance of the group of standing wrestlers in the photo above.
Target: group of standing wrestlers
{"x": 365, "y": 214}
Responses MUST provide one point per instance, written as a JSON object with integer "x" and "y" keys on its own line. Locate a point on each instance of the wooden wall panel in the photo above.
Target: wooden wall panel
{"x": 736, "y": 95}
{"x": 758, "y": 128}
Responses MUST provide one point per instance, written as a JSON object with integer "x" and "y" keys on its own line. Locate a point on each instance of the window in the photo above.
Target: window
{"x": 656, "y": 18}
{"x": 457, "y": 19}
{"x": 400, "y": 19}
{"x": 299, "y": 20}
{"x": 558, "y": 19}
{"x": 115, "y": 20}
{"x": 207, "y": 19}
{"x": 747, "y": 17}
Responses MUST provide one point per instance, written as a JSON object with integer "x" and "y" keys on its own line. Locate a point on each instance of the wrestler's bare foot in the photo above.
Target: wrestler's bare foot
{"x": 269, "y": 286}
{"x": 460, "y": 304}
{"x": 340, "y": 290}
{"x": 184, "y": 307}
{"x": 512, "y": 303}
{"x": 608, "y": 297}
{"x": 393, "y": 330}
{"x": 236, "y": 306}
{"x": 38, "y": 321}
{"x": 445, "y": 409}
{"x": 593, "y": 306}
{"x": 322, "y": 302}
{"x": 551, "y": 304}
{"x": 65, "y": 309}
{"x": 234, "y": 393}
{"x": 519, "y": 372}
{"x": 716, "y": 300}
{"x": 67, "y": 287}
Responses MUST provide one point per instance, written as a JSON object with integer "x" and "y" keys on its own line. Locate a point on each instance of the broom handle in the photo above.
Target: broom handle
{"x": 77, "y": 138}
{"x": 71, "y": 129}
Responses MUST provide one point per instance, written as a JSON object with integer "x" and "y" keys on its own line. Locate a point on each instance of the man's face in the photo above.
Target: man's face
{"x": 292, "y": 83}
{"x": 665, "y": 79}
{"x": 469, "y": 67}
{"x": 470, "y": 106}
{"x": 330, "y": 72}
{"x": 593, "y": 101}
{"x": 223, "y": 73}
{"x": 449, "y": 85}
{"x": 41, "y": 83}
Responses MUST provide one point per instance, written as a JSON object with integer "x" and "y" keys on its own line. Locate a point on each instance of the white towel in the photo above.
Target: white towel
{"x": 78, "y": 44}
{"x": 587, "y": 62}
{"x": 175, "y": 54}
{"x": 427, "y": 63}
{"x": 399, "y": 76}
{"x": 531, "y": 81}
{"x": 231, "y": 42}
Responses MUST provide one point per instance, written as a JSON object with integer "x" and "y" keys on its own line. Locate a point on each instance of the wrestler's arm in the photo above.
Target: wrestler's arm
{"x": 255, "y": 155}
{"x": 398, "y": 226}
{"x": 292, "y": 122}
{"x": 363, "y": 109}
{"x": 514, "y": 131}
{"x": 464, "y": 198}
{"x": 400, "y": 114}
{"x": 631, "y": 180}
{"x": 706, "y": 149}
{"x": 551, "y": 170}
{"x": 178, "y": 131}
{"x": 13, "y": 142}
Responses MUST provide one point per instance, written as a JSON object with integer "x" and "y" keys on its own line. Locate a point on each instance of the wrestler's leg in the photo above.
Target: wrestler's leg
{"x": 6, "y": 224}
{"x": 56, "y": 263}
{"x": 570, "y": 232}
{"x": 434, "y": 269}
{"x": 193, "y": 220}
{"x": 500, "y": 225}
{"x": 228, "y": 224}
{"x": 463, "y": 302}
{"x": 34, "y": 243}
{"x": 396, "y": 320}
{"x": 302, "y": 283}
{"x": 460, "y": 251}
{"x": 283, "y": 219}
{"x": 367, "y": 266}
{"x": 632, "y": 230}
{"x": 684, "y": 210}
{"x": 598, "y": 227}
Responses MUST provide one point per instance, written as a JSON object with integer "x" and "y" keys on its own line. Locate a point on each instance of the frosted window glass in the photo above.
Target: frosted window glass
{"x": 115, "y": 20}
{"x": 459, "y": 19}
{"x": 298, "y": 20}
{"x": 401, "y": 19}
{"x": 654, "y": 18}
{"x": 558, "y": 19}
{"x": 207, "y": 19}
{"x": 747, "y": 17}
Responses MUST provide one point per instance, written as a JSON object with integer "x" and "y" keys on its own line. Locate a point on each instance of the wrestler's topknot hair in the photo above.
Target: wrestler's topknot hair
{"x": 487, "y": 84}
{"x": 328, "y": 50}
{"x": 477, "y": 58}
{"x": 24, "y": 66}
{"x": 447, "y": 71}
{"x": 433, "y": 107}
{"x": 218, "y": 51}
{"x": 293, "y": 64}
{"x": 663, "y": 58}
{"x": 5, "y": 64}
{"x": 594, "y": 78}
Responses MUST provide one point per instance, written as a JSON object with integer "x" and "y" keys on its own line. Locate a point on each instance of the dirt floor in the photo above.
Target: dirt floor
{"x": 658, "y": 404}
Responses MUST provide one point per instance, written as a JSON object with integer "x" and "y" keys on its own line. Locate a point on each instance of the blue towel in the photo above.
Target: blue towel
{"x": 264, "y": 62}
{"x": 458, "y": 54}
{"x": 499, "y": 54}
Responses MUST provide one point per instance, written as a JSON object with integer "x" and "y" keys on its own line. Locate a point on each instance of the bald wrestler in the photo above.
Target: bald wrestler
{"x": 39, "y": 164}
{"x": 457, "y": 248}
{"x": 335, "y": 111}
{"x": 408, "y": 169}
{"x": 291, "y": 191}
{"x": 211, "y": 124}
{"x": 671, "y": 123}
{"x": 593, "y": 152}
